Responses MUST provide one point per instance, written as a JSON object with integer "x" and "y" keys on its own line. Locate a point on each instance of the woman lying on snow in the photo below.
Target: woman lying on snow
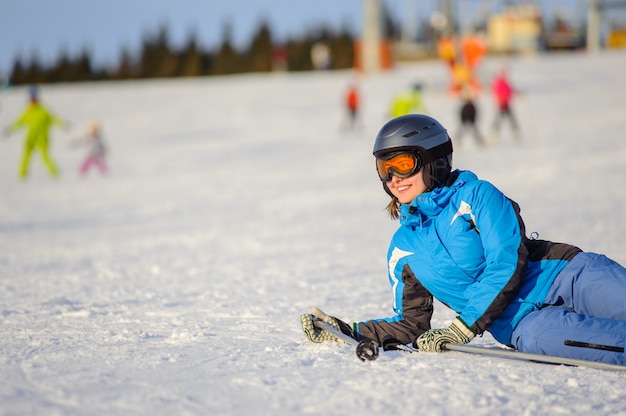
{"x": 463, "y": 242}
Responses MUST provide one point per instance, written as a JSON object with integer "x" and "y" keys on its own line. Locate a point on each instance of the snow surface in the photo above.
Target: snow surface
{"x": 234, "y": 204}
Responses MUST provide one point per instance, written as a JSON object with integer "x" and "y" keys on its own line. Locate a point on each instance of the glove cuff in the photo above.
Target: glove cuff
{"x": 461, "y": 330}
{"x": 355, "y": 331}
{"x": 345, "y": 328}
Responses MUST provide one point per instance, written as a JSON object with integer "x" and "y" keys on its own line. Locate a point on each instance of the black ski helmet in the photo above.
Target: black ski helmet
{"x": 421, "y": 134}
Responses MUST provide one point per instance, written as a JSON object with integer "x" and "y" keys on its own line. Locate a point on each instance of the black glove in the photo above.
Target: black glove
{"x": 315, "y": 334}
{"x": 393, "y": 344}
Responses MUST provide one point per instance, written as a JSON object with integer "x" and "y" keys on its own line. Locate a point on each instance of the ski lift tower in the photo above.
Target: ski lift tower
{"x": 447, "y": 8}
{"x": 372, "y": 24}
{"x": 593, "y": 26}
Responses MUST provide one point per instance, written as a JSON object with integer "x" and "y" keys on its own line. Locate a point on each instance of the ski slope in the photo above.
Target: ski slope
{"x": 233, "y": 204}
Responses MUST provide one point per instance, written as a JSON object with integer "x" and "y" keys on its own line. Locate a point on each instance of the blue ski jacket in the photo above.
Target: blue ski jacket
{"x": 465, "y": 245}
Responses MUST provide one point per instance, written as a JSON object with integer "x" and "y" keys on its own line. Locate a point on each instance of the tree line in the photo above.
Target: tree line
{"x": 157, "y": 58}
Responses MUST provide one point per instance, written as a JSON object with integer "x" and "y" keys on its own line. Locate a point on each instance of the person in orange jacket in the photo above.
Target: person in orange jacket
{"x": 38, "y": 119}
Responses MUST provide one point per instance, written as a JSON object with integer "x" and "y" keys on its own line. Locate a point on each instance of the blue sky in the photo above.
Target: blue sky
{"x": 104, "y": 26}
{"x": 45, "y": 27}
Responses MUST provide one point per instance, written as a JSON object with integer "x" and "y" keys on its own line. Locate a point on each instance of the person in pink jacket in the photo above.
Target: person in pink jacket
{"x": 503, "y": 93}
{"x": 96, "y": 150}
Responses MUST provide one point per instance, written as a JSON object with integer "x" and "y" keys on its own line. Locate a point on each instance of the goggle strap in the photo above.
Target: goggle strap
{"x": 437, "y": 152}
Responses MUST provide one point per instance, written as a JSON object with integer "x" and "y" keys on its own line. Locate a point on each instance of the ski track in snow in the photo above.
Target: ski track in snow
{"x": 234, "y": 204}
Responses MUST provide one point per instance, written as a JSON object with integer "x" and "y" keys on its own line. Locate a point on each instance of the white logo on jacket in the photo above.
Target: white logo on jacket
{"x": 464, "y": 209}
{"x": 395, "y": 257}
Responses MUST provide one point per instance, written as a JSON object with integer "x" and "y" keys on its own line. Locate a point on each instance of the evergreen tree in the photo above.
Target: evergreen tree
{"x": 391, "y": 28}
{"x": 35, "y": 73}
{"x": 83, "y": 68}
{"x": 62, "y": 70}
{"x": 157, "y": 60}
{"x": 227, "y": 60}
{"x": 191, "y": 58}
{"x": 18, "y": 73}
{"x": 259, "y": 56}
{"x": 299, "y": 54}
{"x": 167, "y": 60}
{"x": 207, "y": 61}
{"x": 125, "y": 69}
{"x": 342, "y": 49}
{"x": 147, "y": 60}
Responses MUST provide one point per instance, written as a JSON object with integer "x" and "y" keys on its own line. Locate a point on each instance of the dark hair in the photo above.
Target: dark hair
{"x": 393, "y": 208}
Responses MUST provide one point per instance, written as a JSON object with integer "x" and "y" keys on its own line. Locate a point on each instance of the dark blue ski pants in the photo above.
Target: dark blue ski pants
{"x": 586, "y": 304}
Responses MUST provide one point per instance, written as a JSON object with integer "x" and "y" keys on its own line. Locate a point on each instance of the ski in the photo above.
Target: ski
{"x": 539, "y": 358}
{"x": 368, "y": 350}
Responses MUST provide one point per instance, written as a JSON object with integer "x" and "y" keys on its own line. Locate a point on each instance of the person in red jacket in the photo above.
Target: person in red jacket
{"x": 503, "y": 93}
{"x": 352, "y": 103}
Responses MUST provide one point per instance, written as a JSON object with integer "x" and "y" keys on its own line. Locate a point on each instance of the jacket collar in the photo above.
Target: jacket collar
{"x": 430, "y": 204}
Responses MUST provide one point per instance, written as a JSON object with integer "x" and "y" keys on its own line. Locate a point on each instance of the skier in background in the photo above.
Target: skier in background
{"x": 503, "y": 93}
{"x": 38, "y": 119}
{"x": 97, "y": 150}
{"x": 463, "y": 242}
{"x": 468, "y": 114}
{"x": 352, "y": 103}
{"x": 408, "y": 102}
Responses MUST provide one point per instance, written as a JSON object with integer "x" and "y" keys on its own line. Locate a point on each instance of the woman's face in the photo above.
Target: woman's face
{"x": 406, "y": 189}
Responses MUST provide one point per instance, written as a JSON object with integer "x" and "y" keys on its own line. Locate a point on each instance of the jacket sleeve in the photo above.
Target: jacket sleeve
{"x": 412, "y": 317}
{"x": 502, "y": 233}
{"x": 18, "y": 122}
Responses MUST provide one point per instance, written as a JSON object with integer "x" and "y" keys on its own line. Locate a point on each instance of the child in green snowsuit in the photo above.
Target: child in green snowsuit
{"x": 38, "y": 120}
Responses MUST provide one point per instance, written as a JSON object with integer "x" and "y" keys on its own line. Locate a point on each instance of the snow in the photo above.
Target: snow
{"x": 234, "y": 204}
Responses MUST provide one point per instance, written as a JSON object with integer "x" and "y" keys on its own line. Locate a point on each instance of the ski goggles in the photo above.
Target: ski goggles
{"x": 400, "y": 164}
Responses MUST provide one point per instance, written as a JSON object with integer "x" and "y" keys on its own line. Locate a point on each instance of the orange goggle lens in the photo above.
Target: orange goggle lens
{"x": 401, "y": 165}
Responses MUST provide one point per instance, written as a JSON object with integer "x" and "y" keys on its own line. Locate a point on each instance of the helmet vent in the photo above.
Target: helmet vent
{"x": 412, "y": 133}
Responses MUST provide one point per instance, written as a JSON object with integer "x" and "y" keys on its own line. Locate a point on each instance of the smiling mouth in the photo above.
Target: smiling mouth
{"x": 403, "y": 188}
